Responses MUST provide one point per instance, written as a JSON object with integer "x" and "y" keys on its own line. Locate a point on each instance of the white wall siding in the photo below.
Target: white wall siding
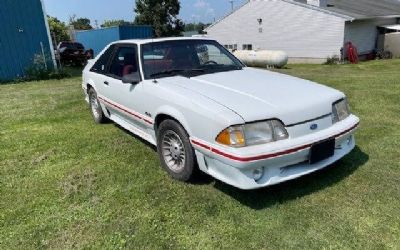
{"x": 300, "y": 31}
{"x": 364, "y": 33}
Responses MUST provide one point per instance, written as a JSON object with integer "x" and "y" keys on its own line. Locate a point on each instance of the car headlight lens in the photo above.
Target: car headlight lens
{"x": 340, "y": 110}
{"x": 253, "y": 134}
{"x": 258, "y": 133}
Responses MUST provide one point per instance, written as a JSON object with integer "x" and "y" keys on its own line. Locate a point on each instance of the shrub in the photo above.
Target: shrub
{"x": 39, "y": 70}
{"x": 37, "y": 74}
{"x": 332, "y": 60}
{"x": 384, "y": 55}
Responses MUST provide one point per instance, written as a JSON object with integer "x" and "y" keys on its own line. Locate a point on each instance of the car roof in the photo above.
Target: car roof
{"x": 152, "y": 40}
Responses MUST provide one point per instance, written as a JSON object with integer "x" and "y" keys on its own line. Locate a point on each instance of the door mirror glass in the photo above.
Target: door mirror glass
{"x": 132, "y": 78}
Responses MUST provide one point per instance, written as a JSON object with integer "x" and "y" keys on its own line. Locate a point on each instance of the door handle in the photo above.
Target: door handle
{"x": 106, "y": 83}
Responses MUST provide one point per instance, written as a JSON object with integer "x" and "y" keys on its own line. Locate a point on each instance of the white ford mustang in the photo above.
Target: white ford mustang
{"x": 205, "y": 110}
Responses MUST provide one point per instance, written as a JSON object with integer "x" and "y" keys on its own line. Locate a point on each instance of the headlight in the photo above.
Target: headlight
{"x": 340, "y": 110}
{"x": 253, "y": 134}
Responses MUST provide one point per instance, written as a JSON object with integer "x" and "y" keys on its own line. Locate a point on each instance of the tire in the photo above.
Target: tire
{"x": 175, "y": 151}
{"x": 95, "y": 108}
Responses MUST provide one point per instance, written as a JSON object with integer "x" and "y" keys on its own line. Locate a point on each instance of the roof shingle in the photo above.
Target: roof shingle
{"x": 361, "y": 9}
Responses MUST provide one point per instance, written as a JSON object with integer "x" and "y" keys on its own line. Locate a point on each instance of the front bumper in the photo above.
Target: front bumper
{"x": 280, "y": 161}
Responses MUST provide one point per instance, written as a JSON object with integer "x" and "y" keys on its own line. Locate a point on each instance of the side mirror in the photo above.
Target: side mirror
{"x": 133, "y": 78}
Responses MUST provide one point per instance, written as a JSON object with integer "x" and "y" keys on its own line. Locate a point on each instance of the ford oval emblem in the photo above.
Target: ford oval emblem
{"x": 314, "y": 126}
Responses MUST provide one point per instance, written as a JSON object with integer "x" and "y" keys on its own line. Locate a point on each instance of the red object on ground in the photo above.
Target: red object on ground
{"x": 352, "y": 53}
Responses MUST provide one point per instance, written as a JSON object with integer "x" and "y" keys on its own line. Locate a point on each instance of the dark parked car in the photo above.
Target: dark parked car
{"x": 71, "y": 53}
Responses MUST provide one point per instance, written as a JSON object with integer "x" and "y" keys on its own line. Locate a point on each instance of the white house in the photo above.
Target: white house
{"x": 308, "y": 30}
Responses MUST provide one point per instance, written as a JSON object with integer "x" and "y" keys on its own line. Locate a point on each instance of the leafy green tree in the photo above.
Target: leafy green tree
{"x": 58, "y": 30}
{"x": 80, "y": 23}
{"x": 190, "y": 26}
{"x": 199, "y": 27}
{"x": 112, "y": 23}
{"x": 161, "y": 14}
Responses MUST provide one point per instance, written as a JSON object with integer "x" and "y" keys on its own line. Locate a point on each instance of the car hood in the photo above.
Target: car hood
{"x": 257, "y": 94}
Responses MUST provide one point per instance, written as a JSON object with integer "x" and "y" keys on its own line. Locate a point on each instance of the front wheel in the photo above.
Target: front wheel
{"x": 175, "y": 150}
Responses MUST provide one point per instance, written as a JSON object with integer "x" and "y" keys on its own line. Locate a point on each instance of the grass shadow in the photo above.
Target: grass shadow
{"x": 200, "y": 178}
{"x": 148, "y": 144}
{"x": 287, "y": 191}
{"x": 281, "y": 193}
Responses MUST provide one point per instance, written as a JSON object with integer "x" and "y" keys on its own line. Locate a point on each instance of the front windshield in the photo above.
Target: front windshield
{"x": 190, "y": 57}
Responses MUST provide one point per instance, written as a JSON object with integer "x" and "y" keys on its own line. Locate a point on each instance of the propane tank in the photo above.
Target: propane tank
{"x": 262, "y": 58}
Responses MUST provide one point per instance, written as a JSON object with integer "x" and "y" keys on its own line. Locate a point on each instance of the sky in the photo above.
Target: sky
{"x": 100, "y": 10}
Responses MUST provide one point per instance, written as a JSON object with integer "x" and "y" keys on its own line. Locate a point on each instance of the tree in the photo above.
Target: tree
{"x": 80, "y": 23}
{"x": 161, "y": 14}
{"x": 199, "y": 27}
{"x": 111, "y": 23}
{"x": 58, "y": 29}
{"x": 190, "y": 26}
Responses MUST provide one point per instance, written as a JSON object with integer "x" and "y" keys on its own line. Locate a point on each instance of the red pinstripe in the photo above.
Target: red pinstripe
{"x": 126, "y": 111}
{"x": 264, "y": 156}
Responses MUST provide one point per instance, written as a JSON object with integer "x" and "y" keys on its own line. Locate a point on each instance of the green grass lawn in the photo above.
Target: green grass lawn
{"x": 68, "y": 183}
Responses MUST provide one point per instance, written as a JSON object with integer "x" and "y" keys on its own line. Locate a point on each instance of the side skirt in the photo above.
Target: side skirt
{"x": 132, "y": 128}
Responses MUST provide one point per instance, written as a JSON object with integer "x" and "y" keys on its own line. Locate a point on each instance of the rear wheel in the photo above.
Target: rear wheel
{"x": 175, "y": 150}
{"x": 97, "y": 112}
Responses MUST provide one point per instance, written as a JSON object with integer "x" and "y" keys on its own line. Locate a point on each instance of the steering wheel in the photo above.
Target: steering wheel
{"x": 211, "y": 62}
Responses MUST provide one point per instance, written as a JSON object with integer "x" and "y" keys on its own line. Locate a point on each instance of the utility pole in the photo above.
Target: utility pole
{"x": 231, "y": 1}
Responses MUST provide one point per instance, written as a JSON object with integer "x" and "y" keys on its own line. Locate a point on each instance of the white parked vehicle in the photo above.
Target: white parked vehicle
{"x": 205, "y": 110}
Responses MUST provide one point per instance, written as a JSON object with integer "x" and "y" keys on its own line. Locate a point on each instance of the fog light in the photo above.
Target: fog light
{"x": 258, "y": 174}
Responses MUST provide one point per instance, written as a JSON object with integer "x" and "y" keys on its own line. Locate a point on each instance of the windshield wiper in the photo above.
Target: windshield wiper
{"x": 175, "y": 71}
{"x": 232, "y": 67}
{"x": 217, "y": 67}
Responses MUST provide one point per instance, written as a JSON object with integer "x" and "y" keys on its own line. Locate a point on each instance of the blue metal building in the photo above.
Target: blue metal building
{"x": 24, "y": 33}
{"x": 99, "y": 38}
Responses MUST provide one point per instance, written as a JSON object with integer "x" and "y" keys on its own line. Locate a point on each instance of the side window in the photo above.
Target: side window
{"x": 101, "y": 63}
{"x": 124, "y": 62}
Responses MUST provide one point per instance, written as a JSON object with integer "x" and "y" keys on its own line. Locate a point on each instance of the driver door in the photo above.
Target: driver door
{"x": 127, "y": 100}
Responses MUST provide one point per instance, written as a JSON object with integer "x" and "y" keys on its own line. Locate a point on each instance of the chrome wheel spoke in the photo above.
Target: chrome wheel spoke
{"x": 167, "y": 154}
{"x": 173, "y": 151}
{"x": 167, "y": 143}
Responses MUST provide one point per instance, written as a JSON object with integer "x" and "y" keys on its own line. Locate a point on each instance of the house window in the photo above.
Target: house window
{"x": 231, "y": 46}
{"x": 247, "y": 47}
